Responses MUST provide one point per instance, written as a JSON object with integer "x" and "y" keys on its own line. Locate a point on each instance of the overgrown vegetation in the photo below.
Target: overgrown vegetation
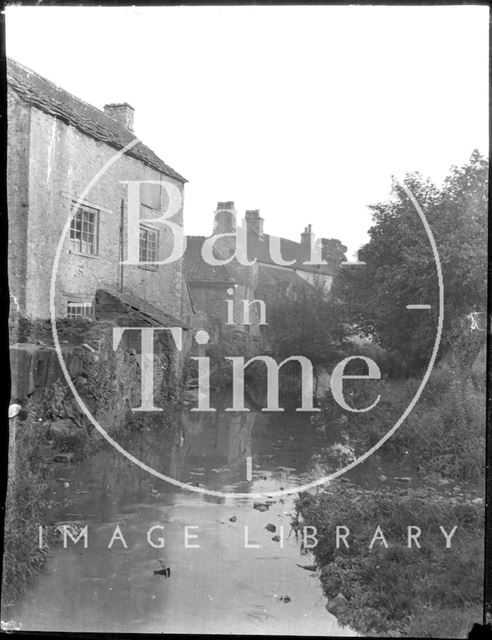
{"x": 444, "y": 432}
{"x": 35, "y": 446}
{"x": 432, "y": 591}
{"x": 428, "y": 592}
{"x": 303, "y": 321}
{"x": 400, "y": 266}
{"x": 25, "y": 505}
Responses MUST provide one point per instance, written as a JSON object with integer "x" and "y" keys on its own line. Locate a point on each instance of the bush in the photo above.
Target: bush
{"x": 445, "y": 431}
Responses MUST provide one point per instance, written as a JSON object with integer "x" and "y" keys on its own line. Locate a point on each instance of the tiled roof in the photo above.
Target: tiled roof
{"x": 272, "y": 279}
{"x": 289, "y": 250}
{"x": 274, "y": 276}
{"x": 197, "y": 271}
{"x": 150, "y": 311}
{"x": 46, "y": 96}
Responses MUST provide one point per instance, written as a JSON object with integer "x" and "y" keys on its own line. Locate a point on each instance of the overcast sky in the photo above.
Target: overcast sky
{"x": 301, "y": 112}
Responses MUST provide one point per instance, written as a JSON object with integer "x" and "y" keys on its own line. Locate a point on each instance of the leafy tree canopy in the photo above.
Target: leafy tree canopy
{"x": 400, "y": 267}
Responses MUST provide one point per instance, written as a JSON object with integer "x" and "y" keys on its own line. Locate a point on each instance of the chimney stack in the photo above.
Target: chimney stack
{"x": 254, "y": 223}
{"x": 121, "y": 112}
{"x": 306, "y": 239}
{"x": 225, "y": 218}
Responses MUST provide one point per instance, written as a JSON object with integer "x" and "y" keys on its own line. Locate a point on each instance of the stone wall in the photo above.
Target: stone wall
{"x": 108, "y": 381}
{"x": 19, "y": 119}
{"x": 61, "y": 163}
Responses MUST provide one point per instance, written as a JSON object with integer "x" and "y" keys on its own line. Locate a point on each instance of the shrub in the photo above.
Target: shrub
{"x": 445, "y": 431}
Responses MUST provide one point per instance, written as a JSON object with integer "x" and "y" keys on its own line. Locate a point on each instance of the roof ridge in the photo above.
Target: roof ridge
{"x": 59, "y": 88}
{"x": 57, "y": 107}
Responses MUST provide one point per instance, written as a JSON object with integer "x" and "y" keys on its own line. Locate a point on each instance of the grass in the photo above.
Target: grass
{"x": 31, "y": 454}
{"x": 445, "y": 431}
{"x": 426, "y": 592}
{"x": 25, "y": 508}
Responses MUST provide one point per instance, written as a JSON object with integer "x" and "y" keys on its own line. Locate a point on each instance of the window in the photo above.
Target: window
{"x": 79, "y": 309}
{"x": 149, "y": 246}
{"x": 84, "y": 228}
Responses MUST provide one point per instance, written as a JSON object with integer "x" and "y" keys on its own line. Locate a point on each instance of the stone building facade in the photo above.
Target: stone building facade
{"x": 209, "y": 285}
{"x": 218, "y": 295}
{"x": 63, "y": 179}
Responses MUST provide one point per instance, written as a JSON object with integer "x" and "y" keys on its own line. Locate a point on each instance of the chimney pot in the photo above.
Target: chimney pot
{"x": 254, "y": 223}
{"x": 122, "y": 112}
{"x": 226, "y": 206}
{"x": 225, "y": 217}
{"x": 306, "y": 239}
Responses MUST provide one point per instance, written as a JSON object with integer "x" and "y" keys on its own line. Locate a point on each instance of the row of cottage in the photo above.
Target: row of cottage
{"x": 69, "y": 169}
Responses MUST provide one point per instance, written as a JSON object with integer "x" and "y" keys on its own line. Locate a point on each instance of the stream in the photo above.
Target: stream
{"x": 220, "y": 587}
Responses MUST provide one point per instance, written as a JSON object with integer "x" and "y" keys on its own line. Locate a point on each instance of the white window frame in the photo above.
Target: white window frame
{"x": 79, "y": 245}
{"x": 144, "y": 259}
{"x": 83, "y": 305}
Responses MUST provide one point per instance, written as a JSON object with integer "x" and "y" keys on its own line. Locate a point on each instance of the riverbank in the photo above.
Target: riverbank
{"x": 220, "y": 587}
{"x": 50, "y": 430}
{"x": 391, "y": 589}
{"x": 426, "y": 591}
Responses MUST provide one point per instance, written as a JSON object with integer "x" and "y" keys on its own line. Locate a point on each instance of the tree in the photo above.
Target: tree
{"x": 303, "y": 321}
{"x": 333, "y": 252}
{"x": 401, "y": 269}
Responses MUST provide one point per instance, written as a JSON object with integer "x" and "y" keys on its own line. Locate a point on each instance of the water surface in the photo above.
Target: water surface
{"x": 220, "y": 587}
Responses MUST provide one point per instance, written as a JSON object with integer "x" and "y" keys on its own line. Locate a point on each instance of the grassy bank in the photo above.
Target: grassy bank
{"x": 427, "y": 592}
{"x": 25, "y": 505}
{"x": 35, "y": 464}
{"x": 419, "y": 592}
{"x": 445, "y": 431}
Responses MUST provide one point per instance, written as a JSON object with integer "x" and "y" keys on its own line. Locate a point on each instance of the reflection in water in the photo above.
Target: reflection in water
{"x": 217, "y": 441}
{"x": 218, "y": 586}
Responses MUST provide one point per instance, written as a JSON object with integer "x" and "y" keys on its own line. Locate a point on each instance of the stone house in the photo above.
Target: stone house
{"x": 217, "y": 294}
{"x": 61, "y": 167}
{"x": 212, "y": 286}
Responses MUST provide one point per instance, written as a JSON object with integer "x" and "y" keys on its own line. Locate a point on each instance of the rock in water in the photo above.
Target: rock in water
{"x": 271, "y": 527}
{"x": 260, "y": 506}
{"x": 335, "y": 604}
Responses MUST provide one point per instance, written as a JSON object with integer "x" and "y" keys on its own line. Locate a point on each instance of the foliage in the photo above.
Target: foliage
{"x": 303, "y": 321}
{"x": 445, "y": 431}
{"x": 392, "y": 591}
{"x": 111, "y": 378}
{"x": 25, "y": 507}
{"x": 333, "y": 252}
{"x": 400, "y": 267}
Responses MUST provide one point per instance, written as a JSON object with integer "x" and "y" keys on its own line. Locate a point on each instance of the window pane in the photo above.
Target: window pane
{"x": 83, "y": 231}
{"x": 79, "y": 309}
{"x": 148, "y": 244}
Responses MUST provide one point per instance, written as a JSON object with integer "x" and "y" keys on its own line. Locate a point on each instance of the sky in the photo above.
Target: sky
{"x": 302, "y": 112}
